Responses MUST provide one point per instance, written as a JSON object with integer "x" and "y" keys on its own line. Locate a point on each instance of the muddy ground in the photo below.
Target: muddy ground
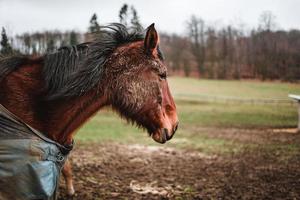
{"x": 118, "y": 171}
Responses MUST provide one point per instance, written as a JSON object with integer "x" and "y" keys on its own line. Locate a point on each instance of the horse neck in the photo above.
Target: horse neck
{"x": 58, "y": 119}
{"x": 68, "y": 115}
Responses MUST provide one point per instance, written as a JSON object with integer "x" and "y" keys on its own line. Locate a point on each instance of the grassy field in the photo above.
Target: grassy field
{"x": 227, "y": 88}
{"x": 196, "y": 117}
{"x": 221, "y": 149}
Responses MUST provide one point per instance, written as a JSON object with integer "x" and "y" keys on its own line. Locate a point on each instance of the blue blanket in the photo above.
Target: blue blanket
{"x": 30, "y": 163}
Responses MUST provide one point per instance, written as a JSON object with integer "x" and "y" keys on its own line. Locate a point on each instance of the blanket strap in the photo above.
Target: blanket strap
{"x": 64, "y": 149}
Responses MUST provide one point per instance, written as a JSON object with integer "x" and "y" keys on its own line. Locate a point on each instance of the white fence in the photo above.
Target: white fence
{"x": 228, "y": 99}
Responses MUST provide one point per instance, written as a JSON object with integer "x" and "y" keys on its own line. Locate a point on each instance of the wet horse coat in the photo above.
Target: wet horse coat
{"x": 30, "y": 163}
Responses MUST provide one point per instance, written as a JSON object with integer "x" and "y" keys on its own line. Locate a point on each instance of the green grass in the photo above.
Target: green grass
{"x": 107, "y": 126}
{"x": 237, "y": 115}
{"x": 232, "y": 88}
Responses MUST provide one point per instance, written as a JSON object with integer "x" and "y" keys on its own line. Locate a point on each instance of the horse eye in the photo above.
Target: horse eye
{"x": 163, "y": 75}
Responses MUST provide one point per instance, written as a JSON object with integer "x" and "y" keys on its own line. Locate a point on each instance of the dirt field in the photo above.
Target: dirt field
{"x": 268, "y": 170}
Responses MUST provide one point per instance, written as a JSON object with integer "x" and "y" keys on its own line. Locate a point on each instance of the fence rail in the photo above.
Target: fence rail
{"x": 228, "y": 99}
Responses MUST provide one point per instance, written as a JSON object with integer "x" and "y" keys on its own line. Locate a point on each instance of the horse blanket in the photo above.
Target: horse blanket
{"x": 30, "y": 163}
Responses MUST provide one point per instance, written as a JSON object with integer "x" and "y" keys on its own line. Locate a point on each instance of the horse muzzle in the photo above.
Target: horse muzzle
{"x": 163, "y": 134}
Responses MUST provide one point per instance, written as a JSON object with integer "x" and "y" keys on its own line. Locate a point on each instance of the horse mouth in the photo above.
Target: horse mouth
{"x": 161, "y": 135}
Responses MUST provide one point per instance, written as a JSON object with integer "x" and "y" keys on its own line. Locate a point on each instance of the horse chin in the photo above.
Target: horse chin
{"x": 160, "y": 135}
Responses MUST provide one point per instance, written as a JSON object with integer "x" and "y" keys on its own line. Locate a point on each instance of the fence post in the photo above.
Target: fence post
{"x": 297, "y": 98}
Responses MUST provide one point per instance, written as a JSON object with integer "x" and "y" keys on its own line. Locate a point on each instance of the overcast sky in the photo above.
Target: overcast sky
{"x": 169, "y": 15}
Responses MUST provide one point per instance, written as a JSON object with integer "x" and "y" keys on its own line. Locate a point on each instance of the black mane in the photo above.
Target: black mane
{"x": 10, "y": 64}
{"x": 72, "y": 71}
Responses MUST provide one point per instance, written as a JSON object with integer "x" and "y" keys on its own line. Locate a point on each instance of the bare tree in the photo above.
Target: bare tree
{"x": 196, "y": 30}
{"x": 267, "y": 21}
{"x": 211, "y": 53}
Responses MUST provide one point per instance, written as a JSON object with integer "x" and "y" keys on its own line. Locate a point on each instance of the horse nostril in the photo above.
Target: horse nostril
{"x": 165, "y": 134}
{"x": 176, "y": 127}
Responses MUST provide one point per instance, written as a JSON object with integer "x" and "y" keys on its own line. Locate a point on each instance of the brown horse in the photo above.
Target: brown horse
{"x": 58, "y": 92}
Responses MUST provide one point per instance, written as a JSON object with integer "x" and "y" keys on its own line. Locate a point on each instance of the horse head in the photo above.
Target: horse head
{"x": 139, "y": 89}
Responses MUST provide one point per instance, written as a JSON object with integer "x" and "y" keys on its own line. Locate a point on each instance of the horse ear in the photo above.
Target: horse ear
{"x": 151, "y": 39}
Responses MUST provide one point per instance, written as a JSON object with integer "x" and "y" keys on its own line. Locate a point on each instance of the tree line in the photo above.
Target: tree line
{"x": 231, "y": 53}
{"x": 204, "y": 51}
